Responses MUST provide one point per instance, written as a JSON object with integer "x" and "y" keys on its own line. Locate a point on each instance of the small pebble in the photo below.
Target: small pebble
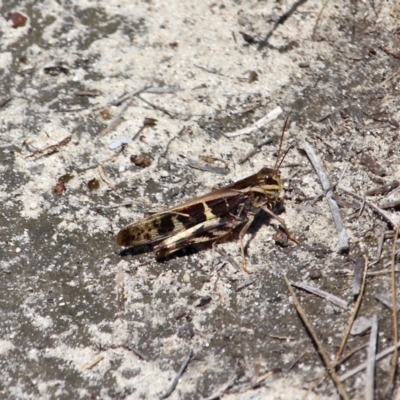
{"x": 186, "y": 277}
{"x": 315, "y": 273}
{"x": 118, "y": 142}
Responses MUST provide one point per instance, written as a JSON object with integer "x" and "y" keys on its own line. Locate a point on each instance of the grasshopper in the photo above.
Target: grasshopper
{"x": 209, "y": 218}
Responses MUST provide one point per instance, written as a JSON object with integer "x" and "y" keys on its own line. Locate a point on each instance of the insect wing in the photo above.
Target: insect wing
{"x": 213, "y": 230}
{"x": 158, "y": 227}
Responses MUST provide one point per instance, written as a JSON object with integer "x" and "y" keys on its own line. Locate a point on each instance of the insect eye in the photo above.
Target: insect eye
{"x": 269, "y": 180}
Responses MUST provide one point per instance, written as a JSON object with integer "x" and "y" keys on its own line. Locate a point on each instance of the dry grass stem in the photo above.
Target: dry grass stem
{"x": 326, "y": 185}
{"x": 320, "y": 347}
{"x": 271, "y": 116}
{"x": 370, "y": 372}
{"x": 354, "y": 313}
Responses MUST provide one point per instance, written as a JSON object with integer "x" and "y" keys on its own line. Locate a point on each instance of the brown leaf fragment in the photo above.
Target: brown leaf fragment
{"x": 65, "y": 178}
{"x": 281, "y": 239}
{"x": 106, "y": 114}
{"x": 18, "y": 20}
{"x": 59, "y": 188}
{"x": 208, "y": 159}
{"x": 390, "y": 204}
{"x": 149, "y": 122}
{"x": 204, "y": 301}
{"x": 52, "y": 148}
{"x": 56, "y": 70}
{"x": 248, "y": 38}
{"x": 253, "y": 76}
{"x": 208, "y": 168}
{"x": 93, "y": 184}
{"x": 140, "y": 160}
{"x": 358, "y": 275}
{"x": 382, "y": 190}
{"x": 372, "y": 165}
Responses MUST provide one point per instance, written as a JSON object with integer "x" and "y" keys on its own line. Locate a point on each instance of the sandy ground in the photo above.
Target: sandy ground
{"x": 80, "y": 318}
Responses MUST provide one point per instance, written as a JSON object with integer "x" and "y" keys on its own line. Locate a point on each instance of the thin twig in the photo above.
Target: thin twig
{"x": 118, "y": 118}
{"x": 323, "y": 375}
{"x": 221, "y": 391}
{"x": 318, "y": 196}
{"x": 178, "y": 375}
{"x": 394, "y": 312}
{"x": 383, "y": 189}
{"x": 128, "y": 96}
{"x": 390, "y": 204}
{"x": 337, "y": 301}
{"x": 228, "y": 258}
{"x": 354, "y": 313}
{"x": 105, "y": 178}
{"x": 257, "y": 147}
{"x": 159, "y": 108}
{"x": 53, "y": 147}
{"x": 318, "y": 343}
{"x": 363, "y": 365}
{"x": 93, "y": 362}
{"x": 370, "y": 372}
{"x": 381, "y": 240}
{"x": 272, "y": 115}
{"x": 326, "y": 185}
{"x": 246, "y": 283}
{"x": 378, "y": 210}
{"x": 359, "y": 269}
{"x": 386, "y": 300}
{"x": 317, "y": 20}
{"x": 165, "y": 152}
{"x": 135, "y": 351}
{"x": 213, "y": 169}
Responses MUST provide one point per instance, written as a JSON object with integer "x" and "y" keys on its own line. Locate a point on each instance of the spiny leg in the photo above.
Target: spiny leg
{"x": 214, "y": 230}
{"x": 282, "y": 222}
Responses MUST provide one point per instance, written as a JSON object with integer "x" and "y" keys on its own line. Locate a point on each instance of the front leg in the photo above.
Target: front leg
{"x": 250, "y": 218}
{"x": 270, "y": 213}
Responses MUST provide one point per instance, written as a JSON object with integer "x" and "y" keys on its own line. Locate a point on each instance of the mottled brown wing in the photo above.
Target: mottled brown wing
{"x": 214, "y": 230}
{"x": 159, "y": 226}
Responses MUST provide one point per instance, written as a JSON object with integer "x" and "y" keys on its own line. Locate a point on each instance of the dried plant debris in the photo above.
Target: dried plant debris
{"x": 369, "y": 162}
{"x": 390, "y": 204}
{"x": 213, "y": 169}
{"x": 384, "y": 189}
{"x": 360, "y": 326}
{"x": 93, "y": 184}
{"x": 54, "y": 148}
{"x": 56, "y": 70}
{"x": 385, "y": 300}
{"x": 337, "y": 301}
{"x": 17, "y": 19}
{"x": 59, "y": 188}
{"x": 149, "y": 122}
{"x": 106, "y": 114}
{"x": 358, "y": 275}
{"x": 140, "y": 160}
{"x": 88, "y": 93}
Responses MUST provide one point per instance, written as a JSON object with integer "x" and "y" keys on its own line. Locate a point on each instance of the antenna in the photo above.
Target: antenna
{"x": 278, "y": 163}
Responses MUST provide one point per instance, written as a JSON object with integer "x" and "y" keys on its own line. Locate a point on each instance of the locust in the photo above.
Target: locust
{"x": 211, "y": 218}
